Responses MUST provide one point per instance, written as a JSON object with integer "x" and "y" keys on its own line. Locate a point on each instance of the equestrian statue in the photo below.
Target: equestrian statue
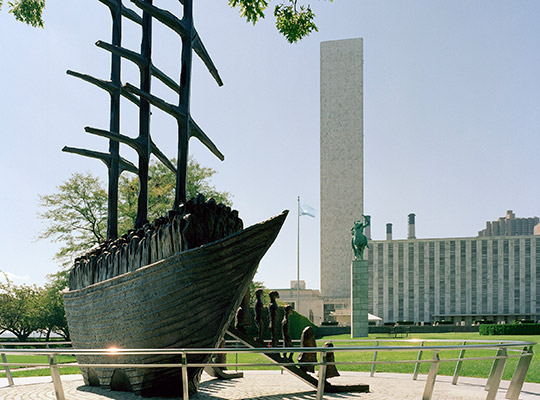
{"x": 359, "y": 240}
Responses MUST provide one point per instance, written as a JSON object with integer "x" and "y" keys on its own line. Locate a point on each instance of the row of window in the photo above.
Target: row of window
{"x": 416, "y": 280}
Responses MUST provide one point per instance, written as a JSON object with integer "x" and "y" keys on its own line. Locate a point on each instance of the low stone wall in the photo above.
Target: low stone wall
{"x": 330, "y": 330}
{"x": 346, "y": 330}
{"x": 424, "y": 329}
{"x": 195, "y": 223}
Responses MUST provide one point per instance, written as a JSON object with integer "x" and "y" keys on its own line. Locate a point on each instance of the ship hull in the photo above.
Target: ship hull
{"x": 184, "y": 301}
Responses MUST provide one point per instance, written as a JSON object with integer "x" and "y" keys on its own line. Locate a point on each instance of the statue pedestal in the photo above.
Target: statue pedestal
{"x": 359, "y": 298}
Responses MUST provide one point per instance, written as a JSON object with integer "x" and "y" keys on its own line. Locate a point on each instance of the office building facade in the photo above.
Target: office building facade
{"x": 463, "y": 280}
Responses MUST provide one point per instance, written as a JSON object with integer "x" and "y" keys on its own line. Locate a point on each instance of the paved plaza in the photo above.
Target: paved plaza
{"x": 273, "y": 385}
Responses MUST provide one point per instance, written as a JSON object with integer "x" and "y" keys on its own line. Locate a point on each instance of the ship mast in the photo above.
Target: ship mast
{"x": 144, "y": 119}
{"x": 142, "y": 97}
{"x": 187, "y": 127}
{"x": 184, "y": 128}
{"x": 114, "y": 125}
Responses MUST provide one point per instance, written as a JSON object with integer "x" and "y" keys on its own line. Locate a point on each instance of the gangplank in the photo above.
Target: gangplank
{"x": 293, "y": 369}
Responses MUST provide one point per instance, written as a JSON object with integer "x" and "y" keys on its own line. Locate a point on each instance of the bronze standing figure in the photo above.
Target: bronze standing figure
{"x": 331, "y": 370}
{"x": 238, "y": 320}
{"x": 285, "y": 324}
{"x": 259, "y": 314}
{"x": 242, "y": 315}
{"x": 307, "y": 340}
{"x": 273, "y": 315}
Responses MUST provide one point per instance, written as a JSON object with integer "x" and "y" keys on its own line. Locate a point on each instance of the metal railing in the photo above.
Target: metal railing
{"x": 504, "y": 351}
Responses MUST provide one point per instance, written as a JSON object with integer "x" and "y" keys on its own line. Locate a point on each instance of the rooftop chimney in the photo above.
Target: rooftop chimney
{"x": 389, "y": 231}
{"x": 412, "y": 231}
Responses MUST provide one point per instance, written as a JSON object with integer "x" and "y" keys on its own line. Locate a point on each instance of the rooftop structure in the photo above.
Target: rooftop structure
{"x": 509, "y": 225}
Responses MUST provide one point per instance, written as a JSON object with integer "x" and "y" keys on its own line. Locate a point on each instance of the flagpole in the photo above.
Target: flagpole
{"x": 298, "y": 262}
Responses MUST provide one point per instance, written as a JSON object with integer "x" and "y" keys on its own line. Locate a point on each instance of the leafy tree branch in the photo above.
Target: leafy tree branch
{"x": 292, "y": 20}
{"x": 28, "y": 11}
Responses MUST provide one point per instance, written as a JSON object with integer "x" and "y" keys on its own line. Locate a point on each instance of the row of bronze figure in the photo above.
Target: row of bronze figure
{"x": 306, "y": 340}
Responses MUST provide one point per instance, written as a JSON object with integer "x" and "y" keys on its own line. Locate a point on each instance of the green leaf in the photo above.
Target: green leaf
{"x": 28, "y": 11}
{"x": 294, "y": 24}
{"x": 252, "y": 10}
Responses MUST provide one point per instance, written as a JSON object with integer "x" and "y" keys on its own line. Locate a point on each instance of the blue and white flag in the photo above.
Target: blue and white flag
{"x": 306, "y": 210}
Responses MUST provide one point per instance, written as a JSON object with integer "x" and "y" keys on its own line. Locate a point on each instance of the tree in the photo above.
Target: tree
{"x": 28, "y": 11}
{"x": 77, "y": 213}
{"x": 53, "y": 316}
{"x": 161, "y": 191}
{"x": 292, "y": 20}
{"x": 20, "y": 309}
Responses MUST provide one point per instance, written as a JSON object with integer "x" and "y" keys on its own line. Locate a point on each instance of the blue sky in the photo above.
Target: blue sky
{"x": 451, "y": 116}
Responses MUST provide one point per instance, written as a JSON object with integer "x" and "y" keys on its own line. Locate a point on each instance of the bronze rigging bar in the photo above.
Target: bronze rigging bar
{"x": 139, "y": 61}
{"x": 144, "y": 120}
{"x": 142, "y": 97}
{"x": 134, "y": 144}
{"x": 185, "y": 30}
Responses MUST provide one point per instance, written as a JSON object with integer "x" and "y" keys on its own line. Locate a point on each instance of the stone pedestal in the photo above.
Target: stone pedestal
{"x": 359, "y": 298}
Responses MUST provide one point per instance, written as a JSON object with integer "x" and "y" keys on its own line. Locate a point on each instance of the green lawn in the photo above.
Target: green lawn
{"x": 19, "y": 371}
{"x": 475, "y": 368}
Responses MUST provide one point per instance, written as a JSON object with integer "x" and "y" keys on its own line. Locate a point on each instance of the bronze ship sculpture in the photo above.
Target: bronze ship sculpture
{"x": 175, "y": 282}
{"x": 183, "y": 299}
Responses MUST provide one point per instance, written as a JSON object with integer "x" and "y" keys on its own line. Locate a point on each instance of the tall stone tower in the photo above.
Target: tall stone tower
{"x": 342, "y": 169}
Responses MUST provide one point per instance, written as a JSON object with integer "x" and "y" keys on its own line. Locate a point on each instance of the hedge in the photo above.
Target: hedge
{"x": 510, "y": 329}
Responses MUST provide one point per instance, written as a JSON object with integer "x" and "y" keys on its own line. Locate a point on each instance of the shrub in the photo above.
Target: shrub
{"x": 405, "y": 322}
{"x": 510, "y": 329}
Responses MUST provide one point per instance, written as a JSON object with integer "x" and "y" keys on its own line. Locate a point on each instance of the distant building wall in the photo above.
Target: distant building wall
{"x": 341, "y": 163}
{"x": 311, "y": 301}
{"x": 458, "y": 279}
{"x": 509, "y": 225}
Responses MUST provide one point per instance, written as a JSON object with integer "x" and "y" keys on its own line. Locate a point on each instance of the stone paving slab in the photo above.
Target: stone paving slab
{"x": 273, "y": 385}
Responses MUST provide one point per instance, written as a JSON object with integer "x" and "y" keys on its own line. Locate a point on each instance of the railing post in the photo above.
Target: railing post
{"x": 519, "y": 374}
{"x": 55, "y": 374}
{"x": 185, "y": 383}
{"x": 374, "y": 359}
{"x": 6, "y": 367}
{"x": 458, "y": 365}
{"x": 495, "y": 379}
{"x": 417, "y": 365}
{"x": 322, "y": 376}
{"x": 493, "y": 369}
{"x": 432, "y": 376}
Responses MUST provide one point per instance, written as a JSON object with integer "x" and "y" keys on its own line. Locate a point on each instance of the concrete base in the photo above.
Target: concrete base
{"x": 359, "y": 298}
